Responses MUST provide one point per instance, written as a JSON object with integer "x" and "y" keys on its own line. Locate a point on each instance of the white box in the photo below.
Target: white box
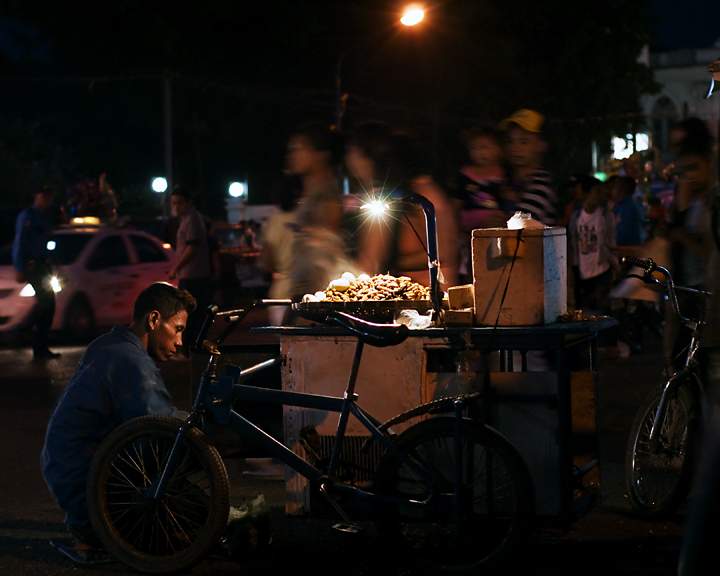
{"x": 537, "y": 292}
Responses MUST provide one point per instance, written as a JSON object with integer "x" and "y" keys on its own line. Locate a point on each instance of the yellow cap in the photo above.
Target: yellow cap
{"x": 527, "y": 120}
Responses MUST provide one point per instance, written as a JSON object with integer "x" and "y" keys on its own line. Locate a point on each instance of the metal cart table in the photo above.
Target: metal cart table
{"x": 546, "y": 410}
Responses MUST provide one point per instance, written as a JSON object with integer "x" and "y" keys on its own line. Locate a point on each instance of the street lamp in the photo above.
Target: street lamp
{"x": 412, "y": 15}
{"x": 159, "y": 185}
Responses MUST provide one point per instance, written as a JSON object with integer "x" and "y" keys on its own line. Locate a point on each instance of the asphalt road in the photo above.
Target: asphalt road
{"x": 607, "y": 540}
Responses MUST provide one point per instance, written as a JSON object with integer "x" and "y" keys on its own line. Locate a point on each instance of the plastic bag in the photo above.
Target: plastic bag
{"x": 248, "y": 529}
{"x": 413, "y": 319}
{"x": 523, "y": 220}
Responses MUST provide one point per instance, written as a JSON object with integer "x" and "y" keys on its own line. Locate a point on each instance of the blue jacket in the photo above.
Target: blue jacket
{"x": 629, "y": 222}
{"x": 115, "y": 381}
{"x": 32, "y": 231}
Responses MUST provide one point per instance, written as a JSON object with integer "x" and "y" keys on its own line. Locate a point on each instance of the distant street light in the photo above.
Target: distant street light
{"x": 236, "y": 189}
{"x": 413, "y": 15}
{"x": 159, "y": 185}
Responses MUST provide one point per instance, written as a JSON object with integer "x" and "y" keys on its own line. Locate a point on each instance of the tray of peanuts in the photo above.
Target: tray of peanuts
{"x": 373, "y": 298}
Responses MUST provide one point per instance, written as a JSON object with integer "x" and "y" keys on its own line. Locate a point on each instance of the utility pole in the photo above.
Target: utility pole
{"x": 167, "y": 109}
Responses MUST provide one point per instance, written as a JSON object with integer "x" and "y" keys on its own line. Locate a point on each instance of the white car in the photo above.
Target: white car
{"x": 99, "y": 272}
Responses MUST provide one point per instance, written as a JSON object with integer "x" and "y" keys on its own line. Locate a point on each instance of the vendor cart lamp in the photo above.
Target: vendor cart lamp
{"x": 379, "y": 206}
{"x": 376, "y": 207}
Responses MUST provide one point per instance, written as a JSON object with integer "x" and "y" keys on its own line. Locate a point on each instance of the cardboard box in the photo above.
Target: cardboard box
{"x": 460, "y": 297}
{"x": 537, "y": 290}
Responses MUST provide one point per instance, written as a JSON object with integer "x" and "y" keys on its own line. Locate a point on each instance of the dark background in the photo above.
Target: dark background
{"x": 81, "y": 82}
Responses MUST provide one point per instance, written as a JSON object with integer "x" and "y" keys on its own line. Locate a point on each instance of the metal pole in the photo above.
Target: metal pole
{"x": 167, "y": 109}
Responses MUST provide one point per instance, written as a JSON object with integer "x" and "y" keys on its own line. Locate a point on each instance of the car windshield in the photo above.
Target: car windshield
{"x": 67, "y": 247}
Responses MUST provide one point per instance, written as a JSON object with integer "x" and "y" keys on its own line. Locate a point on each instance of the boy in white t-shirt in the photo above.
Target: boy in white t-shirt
{"x": 592, "y": 241}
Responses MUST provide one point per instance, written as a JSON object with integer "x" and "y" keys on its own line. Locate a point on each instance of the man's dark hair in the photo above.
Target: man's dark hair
{"x": 626, "y": 185}
{"x": 697, "y": 140}
{"x": 397, "y": 155}
{"x": 164, "y": 298}
{"x": 321, "y": 139}
{"x": 587, "y": 184}
{"x": 182, "y": 191}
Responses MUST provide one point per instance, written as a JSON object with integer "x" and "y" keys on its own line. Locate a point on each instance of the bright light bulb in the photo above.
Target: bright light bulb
{"x": 27, "y": 291}
{"x": 375, "y": 207}
{"x": 236, "y": 189}
{"x": 51, "y": 245}
{"x": 159, "y": 185}
{"x": 413, "y": 15}
{"x": 55, "y": 283}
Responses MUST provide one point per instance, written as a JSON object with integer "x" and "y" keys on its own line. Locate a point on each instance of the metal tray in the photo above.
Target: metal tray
{"x": 381, "y": 311}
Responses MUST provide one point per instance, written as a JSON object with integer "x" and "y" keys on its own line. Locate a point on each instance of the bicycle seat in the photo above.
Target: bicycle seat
{"x": 379, "y": 335}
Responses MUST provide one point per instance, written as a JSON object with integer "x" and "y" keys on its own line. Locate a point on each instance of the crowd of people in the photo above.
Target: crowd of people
{"x": 321, "y": 233}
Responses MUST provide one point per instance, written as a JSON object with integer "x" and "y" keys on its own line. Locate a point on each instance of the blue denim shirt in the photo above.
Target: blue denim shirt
{"x": 115, "y": 381}
{"x": 32, "y": 230}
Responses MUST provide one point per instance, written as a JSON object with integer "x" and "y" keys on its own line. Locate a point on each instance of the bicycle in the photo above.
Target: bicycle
{"x": 664, "y": 437}
{"x": 449, "y": 491}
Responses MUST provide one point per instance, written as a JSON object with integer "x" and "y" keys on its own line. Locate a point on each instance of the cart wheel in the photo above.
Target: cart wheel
{"x": 175, "y": 532}
{"x": 658, "y": 480}
{"x": 497, "y": 497}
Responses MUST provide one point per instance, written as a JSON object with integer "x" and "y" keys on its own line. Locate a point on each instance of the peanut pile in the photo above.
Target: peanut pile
{"x": 378, "y": 287}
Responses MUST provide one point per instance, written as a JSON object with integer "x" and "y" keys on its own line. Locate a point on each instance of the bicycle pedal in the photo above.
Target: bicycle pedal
{"x": 347, "y": 528}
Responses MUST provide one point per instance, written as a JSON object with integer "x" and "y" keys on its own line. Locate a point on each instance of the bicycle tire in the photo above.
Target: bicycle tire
{"x": 493, "y": 527}
{"x": 658, "y": 481}
{"x": 176, "y": 532}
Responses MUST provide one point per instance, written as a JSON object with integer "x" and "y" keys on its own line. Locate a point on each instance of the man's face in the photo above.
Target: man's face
{"x": 165, "y": 336}
{"x": 179, "y": 205}
{"x": 524, "y": 148}
{"x": 694, "y": 171}
{"x": 302, "y": 158}
{"x": 43, "y": 200}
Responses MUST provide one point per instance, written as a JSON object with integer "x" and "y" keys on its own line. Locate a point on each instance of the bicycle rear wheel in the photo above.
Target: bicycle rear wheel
{"x": 496, "y": 499}
{"x": 175, "y": 532}
{"x": 658, "y": 478}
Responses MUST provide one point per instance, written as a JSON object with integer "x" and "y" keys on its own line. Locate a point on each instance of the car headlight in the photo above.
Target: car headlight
{"x": 27, "y": 291}
{"x": 55, "y": 283}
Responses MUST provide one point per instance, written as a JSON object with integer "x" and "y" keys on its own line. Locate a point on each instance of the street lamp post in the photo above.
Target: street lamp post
{"x": 412, "y": 15}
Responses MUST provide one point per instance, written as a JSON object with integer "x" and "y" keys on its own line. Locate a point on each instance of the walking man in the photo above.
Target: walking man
{"x": 32, "y": 264}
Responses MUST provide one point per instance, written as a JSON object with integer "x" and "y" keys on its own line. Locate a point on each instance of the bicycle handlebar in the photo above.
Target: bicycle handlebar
{"x": 649, "y": 266}
{"x": 210, "y": 314}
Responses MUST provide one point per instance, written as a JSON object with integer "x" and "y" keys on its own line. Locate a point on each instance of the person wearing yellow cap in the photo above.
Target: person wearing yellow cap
{"x": 531, "y": 183}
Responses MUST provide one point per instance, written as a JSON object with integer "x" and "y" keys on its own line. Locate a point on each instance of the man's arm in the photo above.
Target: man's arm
{"x": 142, "y": 392}
{"x": 188, "y": 254}
{"x": 19, "y": 253}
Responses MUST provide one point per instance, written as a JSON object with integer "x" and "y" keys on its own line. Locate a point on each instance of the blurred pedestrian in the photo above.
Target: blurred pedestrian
{"x": 530, "y": 182}
{"x": 629, "y": 214}
{"x": 480, "y": 192}
{"x": 276, "y": 253}
{"x": 592, "y": 241}
{"x": 192, "y": 261}
{"x": 116, "y": 380}
{"x": 383, "y": 161}
{"x": 688, "y": 227}
{"x": 319, "y": 252}
{"x": 31, "y": 260}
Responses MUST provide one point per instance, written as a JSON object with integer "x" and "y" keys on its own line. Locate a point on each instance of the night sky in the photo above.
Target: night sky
{"x": 82, "y": 90}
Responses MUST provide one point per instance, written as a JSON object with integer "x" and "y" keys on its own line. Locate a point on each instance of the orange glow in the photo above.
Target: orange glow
{"x": 413, "y": 15}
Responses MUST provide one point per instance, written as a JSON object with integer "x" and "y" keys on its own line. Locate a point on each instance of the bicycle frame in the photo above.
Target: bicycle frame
{"x": 691, "y": 369}
{"x": 216, "y": 396}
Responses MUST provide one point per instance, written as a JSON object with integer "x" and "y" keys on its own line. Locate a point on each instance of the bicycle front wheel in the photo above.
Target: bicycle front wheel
{"x": 456, "y": 531}
{"x": 658, "y": 477}
{"x": 166, "y": 535}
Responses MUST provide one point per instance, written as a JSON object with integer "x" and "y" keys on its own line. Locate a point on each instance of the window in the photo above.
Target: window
{"x": 147, "y": 250}
{"x": 108, "y": 253}
{"x": 67, "y": 247}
